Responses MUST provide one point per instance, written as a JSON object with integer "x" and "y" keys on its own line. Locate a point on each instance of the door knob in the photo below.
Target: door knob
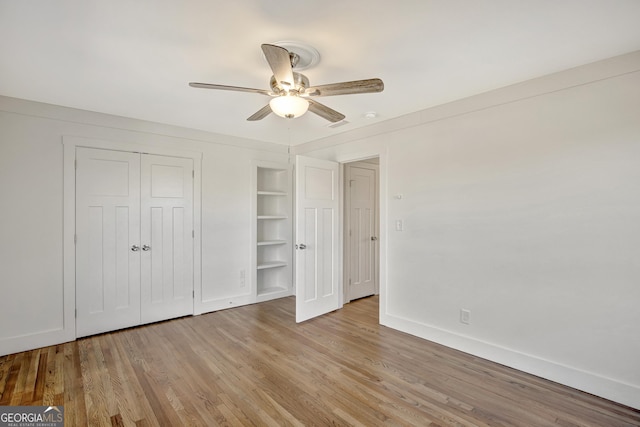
{"x": 301, "y": 246}
{"x": 135, "y": 248}
{"x": 146, "y": 248}
{"x": 374, "y": 238}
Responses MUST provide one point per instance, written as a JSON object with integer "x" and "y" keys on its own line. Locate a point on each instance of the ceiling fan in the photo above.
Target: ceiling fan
{"x": 290, "y": 91}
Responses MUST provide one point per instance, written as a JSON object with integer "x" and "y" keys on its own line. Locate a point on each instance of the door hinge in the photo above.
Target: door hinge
{"x": 75, "y": 164}
{"x": 75, "y": 239}
{"x": 76, "y": 313}
{"x": 193, "y": 294}
{"x": 193, "y": 173}
{"x": 193, "y": 234}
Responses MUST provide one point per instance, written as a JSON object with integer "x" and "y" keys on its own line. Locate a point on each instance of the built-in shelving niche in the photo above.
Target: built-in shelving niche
{"x": 272, "y": 236}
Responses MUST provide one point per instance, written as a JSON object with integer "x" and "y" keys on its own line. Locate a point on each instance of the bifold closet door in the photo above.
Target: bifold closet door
{"x": 134, "y": 239}
{"x": 166, "y": 236}
{"x": 108, "y": 239}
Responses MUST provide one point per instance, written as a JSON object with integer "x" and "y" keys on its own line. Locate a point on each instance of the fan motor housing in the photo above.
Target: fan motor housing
{"x": 301, "y": 83}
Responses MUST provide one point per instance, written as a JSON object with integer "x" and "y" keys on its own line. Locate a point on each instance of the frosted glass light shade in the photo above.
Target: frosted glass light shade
{"x": 289, "y": 106}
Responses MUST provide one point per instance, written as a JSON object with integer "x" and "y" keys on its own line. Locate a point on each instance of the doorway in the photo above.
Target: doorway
{"x": 361, "y": 229}
{"x": 320, "y": 219}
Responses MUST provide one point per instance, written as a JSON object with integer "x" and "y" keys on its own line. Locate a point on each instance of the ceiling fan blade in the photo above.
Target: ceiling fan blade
{"x": 260, "y": 114}
{"x": 325, "y": 112}
{"x": 346, "y": 88}
{"x": 280, "y": 63}
{"x": 234, "y": 88}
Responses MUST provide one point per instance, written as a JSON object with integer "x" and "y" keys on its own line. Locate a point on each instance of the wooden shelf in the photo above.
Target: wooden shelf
{"x": 272, "y": 217}
{"x": 271, "y": 264}
{"x": 272, "y": 193}
{"x": 272, "y": 242}
{"x": 269, "y": 293}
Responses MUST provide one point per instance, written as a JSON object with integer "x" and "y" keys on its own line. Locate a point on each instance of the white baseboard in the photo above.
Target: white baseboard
{"x": 28, "y": 342}
{"x": 207, "y": 306}
{"x": 626, "y": 394}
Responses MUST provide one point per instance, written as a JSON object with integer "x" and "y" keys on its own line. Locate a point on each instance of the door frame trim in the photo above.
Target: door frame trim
{"x": 70, "y": 143}
{"x": 383, "y": 194}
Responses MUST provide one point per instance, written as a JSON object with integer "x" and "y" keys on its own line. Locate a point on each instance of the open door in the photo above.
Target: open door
{"x": 317, "y": 239}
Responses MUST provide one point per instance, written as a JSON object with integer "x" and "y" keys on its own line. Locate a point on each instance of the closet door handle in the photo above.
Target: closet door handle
{"x": 146, "y": 248}
{"x": 135, "y": 248}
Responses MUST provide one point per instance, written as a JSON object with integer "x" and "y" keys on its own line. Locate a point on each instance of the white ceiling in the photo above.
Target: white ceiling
{"x": 134, "y": 58}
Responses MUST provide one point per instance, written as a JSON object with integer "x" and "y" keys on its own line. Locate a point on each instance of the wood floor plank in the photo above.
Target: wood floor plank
{"x": 74, "y": 391}
{"x": 125, "y": 388}
{"x": 254, "y": 365}
{"x": 6, "y": 390}
{"x": 20, "y": 371}
{"x": 53, "y": 394}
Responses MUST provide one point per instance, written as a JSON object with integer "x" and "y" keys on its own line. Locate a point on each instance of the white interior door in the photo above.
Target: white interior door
{"x": 361, "y": 232}
{"x": 317, "y": 204}
{"x": 107, "y": 233}
{"x": 166, "y": 237}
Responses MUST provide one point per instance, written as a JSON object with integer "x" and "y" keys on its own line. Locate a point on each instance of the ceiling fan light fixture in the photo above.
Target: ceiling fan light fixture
{"x": 289, "y": 106}
{"x": 292, "y": 96}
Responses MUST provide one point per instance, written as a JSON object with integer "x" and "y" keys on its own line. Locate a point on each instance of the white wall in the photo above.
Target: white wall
{"x": 32, "y": 310}
{"x": 521, "y": 205}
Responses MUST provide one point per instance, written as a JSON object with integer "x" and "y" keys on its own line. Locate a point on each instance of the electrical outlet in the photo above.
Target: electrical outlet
{"x": 242, "y": 278}
{"x": 399, "y": 225}
{"x": 465, "y": 316}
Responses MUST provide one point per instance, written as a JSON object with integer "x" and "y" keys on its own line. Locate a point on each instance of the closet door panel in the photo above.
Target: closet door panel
{"x": 166, "y": 235}
{"x": 107, "y": 228}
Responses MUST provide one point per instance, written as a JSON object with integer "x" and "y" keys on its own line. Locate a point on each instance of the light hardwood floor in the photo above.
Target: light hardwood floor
{"x": 254, "y": 365}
